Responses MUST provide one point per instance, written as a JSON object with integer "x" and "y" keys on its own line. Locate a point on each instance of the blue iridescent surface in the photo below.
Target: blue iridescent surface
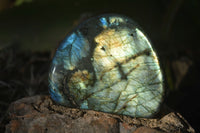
{"x": 107, "y": 64}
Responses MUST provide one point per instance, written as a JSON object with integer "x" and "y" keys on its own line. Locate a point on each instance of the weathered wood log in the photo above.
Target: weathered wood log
{"x": 38, "y": 114}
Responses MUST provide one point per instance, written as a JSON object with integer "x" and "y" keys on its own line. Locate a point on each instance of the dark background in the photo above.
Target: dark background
{"x": 30, "y": 31}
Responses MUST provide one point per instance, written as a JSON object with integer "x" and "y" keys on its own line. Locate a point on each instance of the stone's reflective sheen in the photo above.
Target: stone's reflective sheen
{"x": 107, "y": 64}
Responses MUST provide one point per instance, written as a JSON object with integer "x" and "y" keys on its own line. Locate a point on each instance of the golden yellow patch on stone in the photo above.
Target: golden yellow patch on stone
{"x": 81, "y": 79}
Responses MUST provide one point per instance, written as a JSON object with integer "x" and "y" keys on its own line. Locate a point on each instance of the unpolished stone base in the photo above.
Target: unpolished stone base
{"x": 39, "y": 114}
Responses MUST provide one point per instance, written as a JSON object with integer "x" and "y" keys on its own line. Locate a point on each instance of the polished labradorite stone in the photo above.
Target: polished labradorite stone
{"x": 107, "y": 64}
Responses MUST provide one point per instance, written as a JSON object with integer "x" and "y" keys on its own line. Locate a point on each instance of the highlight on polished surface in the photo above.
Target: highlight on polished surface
{"x": 107, "y": 64}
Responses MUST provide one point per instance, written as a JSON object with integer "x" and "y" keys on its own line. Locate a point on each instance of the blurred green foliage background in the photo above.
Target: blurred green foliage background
{"x": 41, "y": 24}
